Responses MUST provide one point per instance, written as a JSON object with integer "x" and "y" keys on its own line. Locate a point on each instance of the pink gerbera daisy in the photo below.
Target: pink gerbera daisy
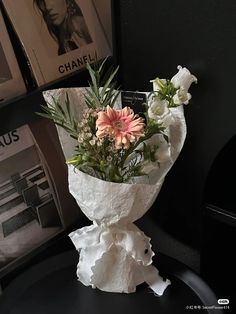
{"x": 122, "y": 125}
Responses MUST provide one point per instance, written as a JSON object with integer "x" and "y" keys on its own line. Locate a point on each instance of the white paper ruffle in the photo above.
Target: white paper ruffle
{"x": 116, "y": 258}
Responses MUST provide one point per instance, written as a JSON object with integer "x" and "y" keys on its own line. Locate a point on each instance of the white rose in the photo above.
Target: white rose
{"x": 158, "y": 83}
{"x": 159, "y": 111}
{"x": 183, "y": 78}
{"x": 181, "y": 97}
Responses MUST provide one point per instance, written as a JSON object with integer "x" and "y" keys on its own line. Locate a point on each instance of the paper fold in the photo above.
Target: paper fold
{"x": 116, "y": 258}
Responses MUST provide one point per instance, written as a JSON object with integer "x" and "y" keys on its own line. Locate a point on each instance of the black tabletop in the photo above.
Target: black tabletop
{"x": 52, "y": 287}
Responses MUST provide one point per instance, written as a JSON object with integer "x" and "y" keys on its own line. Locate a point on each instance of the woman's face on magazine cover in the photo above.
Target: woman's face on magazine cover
{"x": 57, "y": 10}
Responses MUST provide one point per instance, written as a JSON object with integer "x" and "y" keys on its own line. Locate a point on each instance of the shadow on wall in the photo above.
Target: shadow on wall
{"x": 219, "y": 227}
{"x": 202, "y": 38}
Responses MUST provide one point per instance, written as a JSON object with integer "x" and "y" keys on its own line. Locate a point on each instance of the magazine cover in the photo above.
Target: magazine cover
{"x": 58, "y": 36}
{"x": 29, "y": 210}
{"x": 11, "y": 81}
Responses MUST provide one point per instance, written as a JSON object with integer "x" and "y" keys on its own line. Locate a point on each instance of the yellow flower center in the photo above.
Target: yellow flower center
{"x": 119, "y": 125}
{"x": 157, "y": 110}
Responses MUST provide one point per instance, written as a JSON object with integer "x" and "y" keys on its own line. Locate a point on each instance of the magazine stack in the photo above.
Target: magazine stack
{"x": 35, "y": 204}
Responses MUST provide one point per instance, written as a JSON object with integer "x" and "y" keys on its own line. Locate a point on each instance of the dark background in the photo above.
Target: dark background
{"x": 151, "y": 39}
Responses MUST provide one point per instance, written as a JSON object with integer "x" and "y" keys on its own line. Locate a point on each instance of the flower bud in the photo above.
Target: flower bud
{"x": 183, "y": 79}
{"x": 158, "y": 84}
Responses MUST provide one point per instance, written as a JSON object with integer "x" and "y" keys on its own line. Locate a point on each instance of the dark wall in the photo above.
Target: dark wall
{"x": 152, "y": 37}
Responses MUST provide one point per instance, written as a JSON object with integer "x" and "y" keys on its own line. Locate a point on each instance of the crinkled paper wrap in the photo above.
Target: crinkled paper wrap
{"x": 115, "y": 255}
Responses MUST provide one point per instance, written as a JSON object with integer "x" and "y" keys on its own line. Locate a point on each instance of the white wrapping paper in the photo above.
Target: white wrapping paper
{"x": 115, "y": 255}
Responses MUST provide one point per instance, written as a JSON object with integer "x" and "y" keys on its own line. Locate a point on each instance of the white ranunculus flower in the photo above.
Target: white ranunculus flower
{"x": 159, "y": 111}
{"x": 183, "y": 78}
{"x": 158, "y": 83}
{"x": 181, "y": 97}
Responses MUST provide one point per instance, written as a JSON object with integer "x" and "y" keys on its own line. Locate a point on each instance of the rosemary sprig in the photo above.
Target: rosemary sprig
{"x": 101, "y": 92}
{"x": 60, "y": 116}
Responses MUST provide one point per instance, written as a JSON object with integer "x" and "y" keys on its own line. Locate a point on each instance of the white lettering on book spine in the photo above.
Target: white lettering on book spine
{"x": 15, "y": 141}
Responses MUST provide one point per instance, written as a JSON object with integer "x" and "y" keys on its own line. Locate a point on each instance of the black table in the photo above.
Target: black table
{"x": 52, "y": 287}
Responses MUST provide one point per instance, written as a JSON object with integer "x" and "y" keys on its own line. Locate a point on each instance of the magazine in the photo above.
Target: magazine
{"x": 31, "y": 213}
{"x": 11, "y": 81}
{"x": 59, "y": 37}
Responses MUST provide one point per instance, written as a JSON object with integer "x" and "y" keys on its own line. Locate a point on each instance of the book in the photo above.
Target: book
{"x": 32, "y": 192}
{"x": 11, "y": 80}
{"x": 59, "y": 37}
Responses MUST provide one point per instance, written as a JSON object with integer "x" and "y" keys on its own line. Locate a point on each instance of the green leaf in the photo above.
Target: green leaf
{"x": 166, "y": 137}
{"x": 108, "y": 82}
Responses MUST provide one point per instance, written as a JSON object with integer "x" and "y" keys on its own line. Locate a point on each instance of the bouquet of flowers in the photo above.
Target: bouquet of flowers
{"x": 117, "y": 161}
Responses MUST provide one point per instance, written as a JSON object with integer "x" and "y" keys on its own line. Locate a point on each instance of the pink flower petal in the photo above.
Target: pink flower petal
{"x": 122, "y": 125}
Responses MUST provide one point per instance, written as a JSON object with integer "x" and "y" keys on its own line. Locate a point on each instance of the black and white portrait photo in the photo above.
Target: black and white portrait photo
{"x": 60, "y": 36}
{"x": 5, "y": 73}
{"x": 65, "y": 23}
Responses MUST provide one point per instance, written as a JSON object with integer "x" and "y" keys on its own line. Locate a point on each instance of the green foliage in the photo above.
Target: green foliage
{"x": 166, "y": 92}
{"x": 101, "y": 93}
{"x": 103, "y": 90}
{"x": 61, "y": 117}
{"x": 98, "y": 157}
